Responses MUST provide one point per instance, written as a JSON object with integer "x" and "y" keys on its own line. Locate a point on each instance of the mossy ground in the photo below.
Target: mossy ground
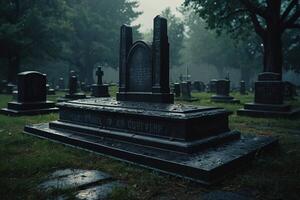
{"x": 26, "y": 160}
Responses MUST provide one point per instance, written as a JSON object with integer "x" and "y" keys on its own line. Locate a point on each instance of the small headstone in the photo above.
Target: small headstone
{"x": 199, "y": 86}
{"x": 31, "y": 96}
{"x": 177, "y": 89}
{"x": 290, "y": 90}
{"x": 73, "y": 93}
{"x": 61, "y": 84}
{"x": 185, "y": 89}
{"x": 242, "y": 88}
{"x": 222, "y": 92}
{"x": 213, "y": 86}
{"x": 100, "y": 89}
{"x": 50, "y": 91}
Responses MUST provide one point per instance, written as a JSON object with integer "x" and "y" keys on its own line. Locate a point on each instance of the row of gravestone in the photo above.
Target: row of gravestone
{"x": 30, "y": 98}
{"x": 221, "y": 88}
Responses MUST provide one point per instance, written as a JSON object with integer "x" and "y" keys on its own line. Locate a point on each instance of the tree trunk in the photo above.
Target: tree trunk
{"x": 14, "y": 67}
{"x": 273, "y": 58}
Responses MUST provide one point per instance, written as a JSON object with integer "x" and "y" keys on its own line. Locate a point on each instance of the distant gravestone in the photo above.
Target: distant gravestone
{"x": 243, "y": 88}
{"x": 185, "y": 90}
{"x": 213, "y": 86}
{"x": 3, "y": 84}
{"x": 73, "y": 93}
{"x": 100, "y": 89}
{"x": 199, "y": 86}
{"x": 290, "y": 90}
{"x": 61, "y": 84}
{"x": 177, "y": 89}
{"x": 222, "y": 92}
{"x": 50, "y": 91}
{"x": 31, "y": 96}
{"x": 143, "y": 72}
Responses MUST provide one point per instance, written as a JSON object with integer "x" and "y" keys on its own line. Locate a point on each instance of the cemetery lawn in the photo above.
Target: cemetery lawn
{"x": 25, "y": 161}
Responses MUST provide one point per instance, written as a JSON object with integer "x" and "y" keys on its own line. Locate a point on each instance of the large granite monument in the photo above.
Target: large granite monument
{"x": 222, "y": 92}
{"x": 100, "y": 89}
{"x": 269, "y": 99}
{"x": 144, "y": 127}
{"x": 31, "y": 96}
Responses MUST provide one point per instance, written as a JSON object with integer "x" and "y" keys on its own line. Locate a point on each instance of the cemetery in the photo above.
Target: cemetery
{"x": 104, "y": 106}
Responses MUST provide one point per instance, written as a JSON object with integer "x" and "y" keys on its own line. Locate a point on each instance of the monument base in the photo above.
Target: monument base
{"x": 268, "y": 110}
{"x": 144, "y": 96}
{"x": 18, "y": 109}
{"x": 176, "y": 139}
{"x": 191, "y": 99}
{"x": 70, "y": 97}
{"x": 100, "y": 91}
{"x": 224, "y": 99}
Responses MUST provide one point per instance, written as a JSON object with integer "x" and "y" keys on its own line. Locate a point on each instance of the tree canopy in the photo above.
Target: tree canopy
{"x": 268, "y": 18}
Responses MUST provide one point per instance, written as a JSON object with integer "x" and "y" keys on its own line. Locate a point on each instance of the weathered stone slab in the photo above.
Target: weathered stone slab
{"x": 222, "y": 92}
{"x": 73, "y": 178}
{"x": 206, "y": 167}
{"x": 223, "y": 195}
{"x": 100, "y": 192}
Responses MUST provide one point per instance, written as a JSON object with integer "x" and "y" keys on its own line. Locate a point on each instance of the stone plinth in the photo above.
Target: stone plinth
{"x": 269, "y": 99}
{"x": 222, "y": 92}
{"x": 100, "y": 90}
{"x": 31, "y": 96}
{"x": 176, "y": 139}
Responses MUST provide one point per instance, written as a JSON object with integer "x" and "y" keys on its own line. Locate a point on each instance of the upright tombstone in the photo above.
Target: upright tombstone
{"x": 185, "y": 88}
{"x": 177, "y": 90}
{"x": 144, "y": 68}
{"x": 143, "y": 125}
{"x": 269, "y": 99}
{"x": 73, "y": 93}
{"x": 243, "y": 88}
{"x": 3, "y": 84}
{"x": 31, "y": 96}
{"x": 50, "y": 91}
{"x": 199, "y": 86}
{"x": 61, "y": 84}
{"x": 222, "y": 92}
{"x": 99, "y": 89}
{"x": 213, "y": 86}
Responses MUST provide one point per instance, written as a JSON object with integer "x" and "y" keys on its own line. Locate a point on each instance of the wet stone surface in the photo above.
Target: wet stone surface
{"x": 87, "y": 184}
{"x": 223, "y": 195}
{"x": 98, "y": 192}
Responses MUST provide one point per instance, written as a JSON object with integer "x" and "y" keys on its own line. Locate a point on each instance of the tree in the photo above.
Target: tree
{"x": 205, "y": 46}
{"x": 30, "y": 29}
{"x": 95, "y": 37}
{"x": 269, "y": 19}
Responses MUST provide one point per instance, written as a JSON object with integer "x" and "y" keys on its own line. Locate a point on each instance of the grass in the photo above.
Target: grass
{"x": 25, "y": 161}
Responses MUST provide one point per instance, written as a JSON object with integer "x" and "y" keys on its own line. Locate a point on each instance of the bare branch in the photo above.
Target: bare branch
{"x": 294, "y": 26}
{"x": 254, "y": 8}
{"x": 241, "y": 10}
{"x": 290, "y": 22}
{"x": 290, "y": 7}
{"x": 257, "y": 26}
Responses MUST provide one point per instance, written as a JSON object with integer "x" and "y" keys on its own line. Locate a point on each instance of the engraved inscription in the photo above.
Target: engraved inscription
{"x": 140, "y": 72}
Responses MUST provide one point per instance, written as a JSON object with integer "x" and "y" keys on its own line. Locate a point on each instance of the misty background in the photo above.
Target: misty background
{"x": 85, "y": 35}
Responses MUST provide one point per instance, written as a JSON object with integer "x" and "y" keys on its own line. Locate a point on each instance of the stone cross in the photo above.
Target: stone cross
{"x": 99, "y": 74}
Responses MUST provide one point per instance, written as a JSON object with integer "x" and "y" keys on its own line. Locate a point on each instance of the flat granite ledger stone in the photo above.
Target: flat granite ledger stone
{"x": 222, "y": 92}
{"x": 146, "y": 129}
{"x": 269, "y": 99}
{"x": 31, "y": 96}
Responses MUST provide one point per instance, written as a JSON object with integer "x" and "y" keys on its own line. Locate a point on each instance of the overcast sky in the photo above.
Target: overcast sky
{"x": 151, "y": 8}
